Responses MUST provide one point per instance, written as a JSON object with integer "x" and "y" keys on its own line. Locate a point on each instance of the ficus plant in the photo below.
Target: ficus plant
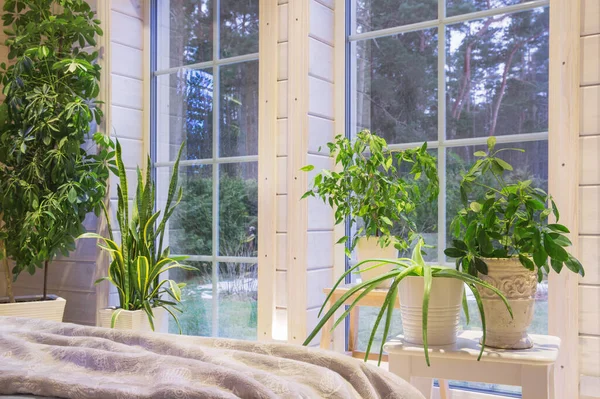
{"x": 139, "y": 260}
{"x": 507, "y": 219}
{"x": 403, "y": 267}
{"x": 376, "y": 186}
{"x": 53, "y": 172}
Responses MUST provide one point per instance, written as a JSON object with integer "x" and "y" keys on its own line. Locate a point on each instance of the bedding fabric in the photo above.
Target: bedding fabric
{"x": 72, "y": 361}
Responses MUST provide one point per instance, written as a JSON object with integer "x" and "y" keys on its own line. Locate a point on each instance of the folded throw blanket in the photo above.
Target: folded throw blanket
{"x": 72, "y": 361}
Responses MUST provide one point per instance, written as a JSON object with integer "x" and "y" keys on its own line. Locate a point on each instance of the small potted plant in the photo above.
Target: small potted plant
{"x": 504, "y": 237}
{"x": 50, "y": 178}
{"x": 430, "y": 301}
{"x": 375, "y": 188}
{"x": 139, "y": 261}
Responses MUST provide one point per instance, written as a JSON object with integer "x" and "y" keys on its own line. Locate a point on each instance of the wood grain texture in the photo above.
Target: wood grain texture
{"x": 589, "y": 312}
{"x": 589, "y": 247}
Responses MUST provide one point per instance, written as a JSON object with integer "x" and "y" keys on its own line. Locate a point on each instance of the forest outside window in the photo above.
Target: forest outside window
{"x": 205, "y": 93}
{"x": 452, "y": 73}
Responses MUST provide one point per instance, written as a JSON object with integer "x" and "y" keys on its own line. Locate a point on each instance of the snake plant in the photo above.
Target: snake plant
{"x": 138, "y": 262}
{"x": 404, "y": 267}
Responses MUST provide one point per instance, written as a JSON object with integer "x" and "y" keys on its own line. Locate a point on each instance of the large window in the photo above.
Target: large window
{"x": 452, "y": 73}
{"x": 205, "y": 93}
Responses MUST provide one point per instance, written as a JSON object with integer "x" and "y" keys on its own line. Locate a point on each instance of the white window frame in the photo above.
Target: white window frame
{"x": 213, "y": 65}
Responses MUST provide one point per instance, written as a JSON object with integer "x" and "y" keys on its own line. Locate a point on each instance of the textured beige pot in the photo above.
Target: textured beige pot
{"x": 33, "y": 307}
{"x": 518, "y": 286}
{"x": 368, "y": 248}
{"x": 136, "y": 320}
{"x": 444, "y": 310}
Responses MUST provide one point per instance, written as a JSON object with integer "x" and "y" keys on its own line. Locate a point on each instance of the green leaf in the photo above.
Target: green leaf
{"x": 558, "y": 227}
{"x": 480, "y": 154}
{"x": 525, "y": 261}
{"x": 555, "y": 251}
{"x": 72, "y": 197}
{"x": 475, "y": 207}
{"x": 307, "y": 168}
{"x": 503, "y": 164}
{"x": 575, "y": 266}
{"x": 556, "y": 265}
{"x": 491, "y": 143}
{"x": 454, "y": 252}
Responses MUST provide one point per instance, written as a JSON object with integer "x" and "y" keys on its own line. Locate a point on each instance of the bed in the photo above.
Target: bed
{"x": 71, "y": 361}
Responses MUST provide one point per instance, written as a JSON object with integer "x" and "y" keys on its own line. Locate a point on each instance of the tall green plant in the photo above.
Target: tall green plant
{"x": 507, "y": 220}
{"x": 375, "y": 185}
{"x": 139, "y": 260}
{"x": 404, "y": 267}
{"x": 51, "y": 176}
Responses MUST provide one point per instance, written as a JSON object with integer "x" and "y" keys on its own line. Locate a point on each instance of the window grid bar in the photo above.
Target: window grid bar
{"x": 215, "y": 168}
{"x": 230, "y": 259}
{"x": 210, "y": 161}
{"x": 209, "y": 64}
{"x": 448, "y": 20}
{"x": 441, "y": 156}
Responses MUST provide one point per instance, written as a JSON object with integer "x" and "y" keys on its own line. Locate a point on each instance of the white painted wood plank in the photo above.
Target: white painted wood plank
{"x": 320, "y": 249}
{"x": 321, "y": 22}
{"x": 590, "y": 110}
{"x": 320, "y": 98}
{"x": 320, "y": 132}
{"x": 133, "y": 152}
{"x": 282, "y": 175}
{"x": 312, "y": 318}
{"x": 281, "y": 251}
{"x": 589, "y": 387}
{"x": 282, "y": 99}
{"x": 589, "y": 311}
{"x": 590, "y": 17}
{"x": 127, "y": 92}
{"x": 590, "y": 60}
{"x": 282, "y": 137}
{"x": 127, "y": 123}
{"x": 281, "y": 213}
{"x": 283, "y": 23}
{"x": 589, "y": 255}
{"x": 280, "y": 325}
{"x": 129, "y": 7}
{"x": 127, "y": 61}
{"x": 126, "y": 30}
{"x": 317, "y": 280}
{"x": 589, "y": 150}
{"x": 589, "y": 210}
{"x": 327, "y": 3}
{"x": 320, "y": 59}
{"x": 282, "y": 61}
{"x": 589, "y": 356}
{"x": 281, "y": 289}
{"x": 320, "y": 216}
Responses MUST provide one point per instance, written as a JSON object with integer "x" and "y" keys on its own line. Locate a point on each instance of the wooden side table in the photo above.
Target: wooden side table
{"x": 532, "y": 369}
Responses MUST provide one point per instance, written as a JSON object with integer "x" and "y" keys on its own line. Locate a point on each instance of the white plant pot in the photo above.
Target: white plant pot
{"x": 136, "y": 320}
{"x": 368, "y": 248}
{"x": 518, "y": 286}
{"x": 444, "y": 310}
{"x": 33, "y": 307}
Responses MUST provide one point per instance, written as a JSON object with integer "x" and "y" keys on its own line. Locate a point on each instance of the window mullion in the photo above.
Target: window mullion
{"x": 441, "y": 152}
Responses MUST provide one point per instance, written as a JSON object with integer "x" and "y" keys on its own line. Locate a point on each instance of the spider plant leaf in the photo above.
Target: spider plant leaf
{"x": 390, "y": 313}
{"x": 465, "y": 306}
{"x": 427, "y": 281}
{"x": 481, "y": 315}
{"x": 174, "y": 318}
{"x": 148, "y": 310}
{"x": 364, "y": 293}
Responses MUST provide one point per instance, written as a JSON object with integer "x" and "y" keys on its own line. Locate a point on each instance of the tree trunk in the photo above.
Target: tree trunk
{"x": 45, "y": 291}
{"x": 9, "y": 276}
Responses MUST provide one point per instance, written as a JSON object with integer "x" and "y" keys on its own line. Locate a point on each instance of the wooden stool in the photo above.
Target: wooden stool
{"x": 532, "y": 369}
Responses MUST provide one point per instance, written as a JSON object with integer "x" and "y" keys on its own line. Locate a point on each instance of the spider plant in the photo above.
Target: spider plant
{"x": 138, "y": 262}
{"x": 404, "y": 267}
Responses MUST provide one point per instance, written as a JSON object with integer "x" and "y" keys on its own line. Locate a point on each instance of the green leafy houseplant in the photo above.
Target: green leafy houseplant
{"x": 404, "y": 267}
{"x": 369, "y": 186}
{"x": 507, "y": 220}
{"x": 138, "y": 262}
{"x": 49, "y": 182}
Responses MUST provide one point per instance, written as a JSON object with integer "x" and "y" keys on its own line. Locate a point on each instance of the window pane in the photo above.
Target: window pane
{"x": 185, "y": 33}
{"x": 396, "y": 93}
{"x": 366, "y": 320}
{"x": 238, "y": 293}
{"x": 184, "y": 113}
{"x": 239, "y": 27}
{"x": 458, "y": 7}
{"x": 196, "y": 300}
{"x": 238, "y": 209}
{"x": 380, "y": 14}
{"x": 190, "y": 227}
{"x": 497, "y": 75}
{"x": 239, "y": 109}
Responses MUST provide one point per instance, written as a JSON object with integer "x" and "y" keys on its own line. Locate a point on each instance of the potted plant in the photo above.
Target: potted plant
{"x": 504, "y": 237}
{"x": 50, "y": 177}
{"x": 138, "y": 262}
{"x": 430, "y": 301}
{"x": 375, "y": 189}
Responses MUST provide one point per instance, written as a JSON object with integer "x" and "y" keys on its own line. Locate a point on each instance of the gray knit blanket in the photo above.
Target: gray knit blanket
{"x": 72, "y": 361}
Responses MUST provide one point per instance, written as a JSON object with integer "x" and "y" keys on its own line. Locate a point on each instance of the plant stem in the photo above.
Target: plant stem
{"x": 45, "y": 291}
{"x": 9, "y": 276}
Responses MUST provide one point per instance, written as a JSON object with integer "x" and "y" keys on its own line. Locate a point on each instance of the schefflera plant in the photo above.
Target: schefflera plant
{"x": 377, "y": 186}
{"x": 507, "y": 219}
{"x": 139, "y": 260}
{"x": 404, "y": 267}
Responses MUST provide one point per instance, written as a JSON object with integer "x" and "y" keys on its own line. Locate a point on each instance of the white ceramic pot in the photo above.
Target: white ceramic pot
{"x": 136, "y": 320}
{"x": 368, "y": 248}
{"x": 444, "y": 310}
{"x": 33, "y": 307}
{"x": 518, "y": 286}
